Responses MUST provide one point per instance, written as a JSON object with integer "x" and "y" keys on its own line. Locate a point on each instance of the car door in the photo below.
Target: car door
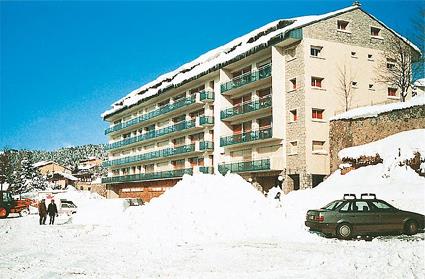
{"x": 365, "y": 219}
{"x": 389, "y": 220}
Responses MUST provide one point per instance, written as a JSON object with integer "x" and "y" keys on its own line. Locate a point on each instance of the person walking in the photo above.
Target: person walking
{"x": 53, "y": 211}
{"x": 42, "y": 211}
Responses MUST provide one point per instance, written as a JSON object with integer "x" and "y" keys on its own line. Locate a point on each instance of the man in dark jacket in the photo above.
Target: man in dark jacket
{"x": 42, "y": 211}
{"x": 53, "y": 211}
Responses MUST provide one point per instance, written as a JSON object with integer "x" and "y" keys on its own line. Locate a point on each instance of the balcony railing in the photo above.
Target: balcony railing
{"x": 204, "y": 169}
{"x": 261, "y": 73}
{"x": 167, "y": 152}
{"x": 246, "y": 137}
{"x": 160, "y": 111}
{"x": 147, "y": 176}
{"x": 248, "y": 107}
{"x": 206, "y": 96}
{"x": 206, "y": 120}
{"x": 153, "y": 134}
{"x": 206, "y": 145}
{"x": 256, "y": 165}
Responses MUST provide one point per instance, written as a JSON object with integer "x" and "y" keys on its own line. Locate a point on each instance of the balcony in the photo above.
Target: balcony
{"x": 167, "y": 152}
{"x": 206, "y": 120}
{"x": 247, "y": 166}
{"x": 206, "y": 96}
{"x": 147, "y": 176}
{"x": 206, "y": 145}
{"x": 183, "y": 103}
{"x": 181, "y": 126}
{"x": 246, "y": 137}
{"x": 261, "y": 74}
{"x": 246, "y": 108}
{"x": 205, "y": 169}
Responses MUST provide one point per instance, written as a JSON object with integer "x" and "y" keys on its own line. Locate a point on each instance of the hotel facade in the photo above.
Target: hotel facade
{"x": 258, "y": 106}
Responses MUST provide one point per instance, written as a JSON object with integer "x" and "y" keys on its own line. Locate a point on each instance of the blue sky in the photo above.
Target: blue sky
{"x": 63, "y": 63}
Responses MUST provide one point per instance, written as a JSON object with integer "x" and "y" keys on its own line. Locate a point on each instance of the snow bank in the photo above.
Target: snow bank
{"x": 203, "y": 208}
{"x": 100, "y": 212}
{"x": 373, "y": 111}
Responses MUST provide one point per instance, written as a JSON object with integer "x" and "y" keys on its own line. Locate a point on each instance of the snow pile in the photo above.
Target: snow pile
{"x": 393, "y": 150}
{"x": 373, "y": 111}
{"x": 204, "y": 208}
{"x": 100, "y": 212}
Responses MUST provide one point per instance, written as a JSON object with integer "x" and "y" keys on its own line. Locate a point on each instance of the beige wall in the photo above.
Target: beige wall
{"x": 53, "y": 167}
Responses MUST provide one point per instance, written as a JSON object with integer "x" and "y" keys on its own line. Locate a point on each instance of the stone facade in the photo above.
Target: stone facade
{"x": 352, "y": 132}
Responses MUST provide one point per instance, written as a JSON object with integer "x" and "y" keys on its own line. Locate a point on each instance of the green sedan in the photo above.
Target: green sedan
{"x": 368, "y": 215}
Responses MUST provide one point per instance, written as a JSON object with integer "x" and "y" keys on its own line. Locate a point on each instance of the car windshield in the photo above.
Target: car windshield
{"x": 333, "y": 205}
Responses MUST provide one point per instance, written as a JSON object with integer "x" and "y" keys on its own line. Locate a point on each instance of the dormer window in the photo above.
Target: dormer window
{"x": 342, "y": 25}
{"x": 375, "y": 32}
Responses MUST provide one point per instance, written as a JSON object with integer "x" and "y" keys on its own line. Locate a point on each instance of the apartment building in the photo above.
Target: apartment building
{"x": 257, "y": 106}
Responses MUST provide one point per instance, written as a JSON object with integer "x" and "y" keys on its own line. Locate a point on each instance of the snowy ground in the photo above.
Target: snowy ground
{"x": 211, "y": 226}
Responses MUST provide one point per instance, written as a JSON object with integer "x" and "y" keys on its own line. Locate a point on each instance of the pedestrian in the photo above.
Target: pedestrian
{"x": 42, "y": 211}
{"x": 53, "y": 211}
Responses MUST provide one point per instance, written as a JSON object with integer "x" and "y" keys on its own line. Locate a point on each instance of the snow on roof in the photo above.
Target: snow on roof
{"x": 401, "y": 146}
{"x": 373, "y": 111}
{"x": 217, "y": 56}
{"x": 67, "y": 176}
{"x": 42, "y": 163}
{"x": 419, "y": 82}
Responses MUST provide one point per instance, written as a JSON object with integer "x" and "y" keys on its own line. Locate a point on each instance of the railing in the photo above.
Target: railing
{"x": 206, "y": 145}
{"x": 246, "y": 137}
{"x": 206, "y": 95}
{"x": 160, "y": 111}
{"x": 261, "y": 73}
{"x": 206, "y": 120}
{"x": 256, "y": 165}
{"x": 167, "y": 152}
{"x": 264, "y": 102}
{"x": 204, "y": 169}
{"x": 147, "y": 176}
{"x": 153, "y": 134}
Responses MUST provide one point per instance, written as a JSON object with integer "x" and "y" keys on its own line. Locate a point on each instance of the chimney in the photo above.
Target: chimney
{"x": 357, "y": 3}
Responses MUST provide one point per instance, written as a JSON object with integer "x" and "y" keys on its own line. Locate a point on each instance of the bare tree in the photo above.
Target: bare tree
{"x": 395, "y": 65}
{"x": 345, "y": 85}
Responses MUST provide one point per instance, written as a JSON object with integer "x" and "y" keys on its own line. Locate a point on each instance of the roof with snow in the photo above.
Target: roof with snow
{"x": 419, "y": 82}
{"x": 373, "y": 111}
{"x": 219, "y": 57}
{"x": 66, "y": 175}
{"x": 42, "y": 163}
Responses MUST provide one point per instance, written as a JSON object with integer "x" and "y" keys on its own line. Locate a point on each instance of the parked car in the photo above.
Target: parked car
{"x": 67, "y": 207}
{"x": 135, "y": 202}
{"x": 368, "y": 215}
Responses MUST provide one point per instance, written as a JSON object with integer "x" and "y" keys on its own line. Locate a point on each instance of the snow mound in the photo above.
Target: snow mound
{"x": 393, "y": 150}
{"x": 100, "y": 212}
{"x": 207, "y": 207}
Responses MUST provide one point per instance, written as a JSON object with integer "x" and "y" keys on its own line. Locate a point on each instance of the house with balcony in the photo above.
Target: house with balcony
{"x": 258, "y": 106}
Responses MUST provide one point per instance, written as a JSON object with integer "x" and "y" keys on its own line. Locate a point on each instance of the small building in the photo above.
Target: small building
{"x": 50, "y": 167}
{"x": 419, "y": 87}
{"x": 62, "y": 179}
{"x": 89, "y": 163}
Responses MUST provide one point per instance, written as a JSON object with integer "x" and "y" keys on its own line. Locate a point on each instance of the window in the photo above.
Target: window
{"x": 392, "y": 92}
{"x": 390, "y": 63}
{"x": 370, "y": 56}
{"x": 241, "y": 72}
{"x": 362, "y": 206}
{"x": 353, "y": 54}
{"x": 294, "y": 116}
{"x": 196, "y": 89}
{"x": 371, "y": 87}
{"x": 315, "y": 51}
{"x": 317, "y": 113}
{"x": 381, "y": 205}
{"x": 149, "y": 168}
{"x": 178, "y": 164}
{"x": 179, "y": 118}
{"x": 293, "y": 83}
{"x": 179, "y": 141}
{"x": 263, "y": 93}
{"x": 318, "y": 145}
{"x": 375, "y": 32}
{"x": 293, "y": 147}
{"x": 265, "y": 122}
{"x": 316, "y": 82}
{"x": 342, "y": 25}
{"x": 354, "y": 84}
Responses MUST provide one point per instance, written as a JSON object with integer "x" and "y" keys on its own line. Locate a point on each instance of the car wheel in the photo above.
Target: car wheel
{"x": 344, "y": 231}
{"x": 411, "y": 227}
{"x": 3, "y": 213}
{"x": 24, "y": 213}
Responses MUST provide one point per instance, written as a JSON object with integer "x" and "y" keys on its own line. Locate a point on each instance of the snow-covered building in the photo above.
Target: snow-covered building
{"x": 50, "y": 167}
{"x": 419, "y": 87}
{"x": 258, "y": 106}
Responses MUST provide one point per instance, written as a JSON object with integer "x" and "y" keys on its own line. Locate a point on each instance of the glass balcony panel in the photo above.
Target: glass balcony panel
{"x": 247, "y": 78}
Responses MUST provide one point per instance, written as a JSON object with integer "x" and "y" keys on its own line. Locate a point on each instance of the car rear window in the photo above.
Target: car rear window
{"x": 333, "y": 205}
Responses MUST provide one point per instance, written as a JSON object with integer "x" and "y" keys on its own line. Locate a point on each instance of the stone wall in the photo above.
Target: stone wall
{"x": 352, "y": 132}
